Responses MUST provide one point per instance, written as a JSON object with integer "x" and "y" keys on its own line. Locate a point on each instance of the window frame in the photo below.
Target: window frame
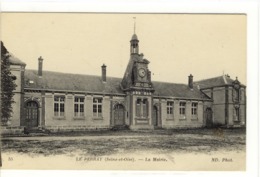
{"x": 59, "y": 105}
{"x": 142, "y": 108}
{"x": 98, "y": 106}
{"x": 182, "y": 109}
{"x": 170, "y": 109}
{"x": 138, "y": 107}
{"x": 77, "y": 106}
{"x": 145, "y": 108}
{"x": 194, "y": 109}
{"x": 237, "y": 114}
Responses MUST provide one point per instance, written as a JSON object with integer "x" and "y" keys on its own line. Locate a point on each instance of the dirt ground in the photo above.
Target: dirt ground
{"x": 100, "y": 143}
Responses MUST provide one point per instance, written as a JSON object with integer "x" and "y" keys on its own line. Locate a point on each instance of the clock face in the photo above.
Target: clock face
{"x": 236, "y": 86}
{"x": 142, "y": 72}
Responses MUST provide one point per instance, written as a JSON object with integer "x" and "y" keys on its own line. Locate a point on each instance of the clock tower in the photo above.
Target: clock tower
{"x": 137, "y": 84}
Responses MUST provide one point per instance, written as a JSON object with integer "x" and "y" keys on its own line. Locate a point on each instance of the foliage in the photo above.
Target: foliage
{"x": 7, "y": 86}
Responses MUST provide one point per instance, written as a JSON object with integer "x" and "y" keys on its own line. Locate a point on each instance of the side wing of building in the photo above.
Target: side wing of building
{"x": 229, "y": 100}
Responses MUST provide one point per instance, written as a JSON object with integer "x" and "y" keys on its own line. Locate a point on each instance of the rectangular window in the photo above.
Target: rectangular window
{"x": 182, "y": 108}
{"x": 145, "y": 108}
{"x": 236, "y": 95}
{"x": 59, "y": 106}
{"x": 97, "y": 107}
{"x": 169, "y": 108}
{"x": 142, "y": 108}
{"x": 79, "y": 106}
{"x": 194, "y": 109}
{"x": 237, "y": 114}
{"x": 138, "y": 107}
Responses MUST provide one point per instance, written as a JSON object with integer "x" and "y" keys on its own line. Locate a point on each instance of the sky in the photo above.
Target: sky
{"x": 177, "y": 45}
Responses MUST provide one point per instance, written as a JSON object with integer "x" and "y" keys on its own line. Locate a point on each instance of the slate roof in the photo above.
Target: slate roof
{"x": 56, "y": 81}
{"x": 134, "y": 37}
{"x": 127, "y": 79}
{"x": 71, "y": 82}
{"x": 164, "y": 89}
{"x": 215, "y": 82}
{"x": 129, "y": 72}
{"x": 15, "y": 61}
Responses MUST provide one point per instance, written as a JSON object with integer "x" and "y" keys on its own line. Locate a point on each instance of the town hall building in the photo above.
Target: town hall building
{"x": 73, "y": 102}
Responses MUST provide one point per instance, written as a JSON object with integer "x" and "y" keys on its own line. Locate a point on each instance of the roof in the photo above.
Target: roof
{"x": 3, "y": 49}
{"x": 71, "y": 82}
{"x": 56, "y": 81}
{"x": 12, "y": 59}
{"x": 134, "y": 37}
{"x": 215, "y": 82}
{"x": 165, "y": 89}
{"x": 15, "y": 61}
{"x": 127, "y": 80}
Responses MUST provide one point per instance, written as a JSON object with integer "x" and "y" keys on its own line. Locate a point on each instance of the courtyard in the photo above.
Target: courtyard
{"x": 101, "y": 143}
{"x": 179, "y": 149}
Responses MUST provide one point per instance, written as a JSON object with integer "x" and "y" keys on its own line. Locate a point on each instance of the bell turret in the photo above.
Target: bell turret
{"x": 134, "y": 48}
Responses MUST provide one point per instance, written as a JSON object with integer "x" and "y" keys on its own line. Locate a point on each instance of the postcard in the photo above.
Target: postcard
{"x": 124, "y": 91}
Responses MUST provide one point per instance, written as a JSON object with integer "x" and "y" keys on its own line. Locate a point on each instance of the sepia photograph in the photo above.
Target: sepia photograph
{"x": 123, "y": 91}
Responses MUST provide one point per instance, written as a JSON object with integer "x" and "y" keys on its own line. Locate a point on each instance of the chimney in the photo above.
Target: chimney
{"x": 190, "y": 81}
{"x": 104, "y": 72}
{"x": 40, "y": 60}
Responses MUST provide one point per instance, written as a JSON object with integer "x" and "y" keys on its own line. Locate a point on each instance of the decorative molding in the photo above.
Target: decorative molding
{"x": 117, "y": 103}
{"x": 79, "y": 118}
{"x": 236, "y": 105}
{"x": 59, "y": 118}
{"x": 32, "y": 98}
{"x": 69, "y": 97}
{"x": 48, "y": 96}
{"x": 169, "y": 119}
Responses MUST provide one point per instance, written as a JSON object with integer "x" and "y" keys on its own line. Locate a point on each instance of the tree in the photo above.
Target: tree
{"x": 7, "y": 86}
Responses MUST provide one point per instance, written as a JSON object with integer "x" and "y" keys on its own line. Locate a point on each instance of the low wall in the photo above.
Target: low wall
{"x": 75, "y": 128}
{"x": 182, "y": 126}
{"x": 12, "y": 130}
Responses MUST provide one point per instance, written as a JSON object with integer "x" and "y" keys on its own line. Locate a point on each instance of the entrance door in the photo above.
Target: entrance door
{"x": 32, "y": 114}
{"x": 209, "y": 121}
{"x": 155, "y": 116}
{"x": 119, "y": 115}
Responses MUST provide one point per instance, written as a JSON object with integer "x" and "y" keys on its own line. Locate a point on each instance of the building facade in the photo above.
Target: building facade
{"x": 69, "y": 102}
{"x": 229, "y": 101}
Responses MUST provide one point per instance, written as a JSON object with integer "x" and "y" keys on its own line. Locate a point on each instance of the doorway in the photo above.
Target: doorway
{"x": 119, "y": 115}
{"x": 209, "y": 120}
{"x": 155, "y": 116}
{"x": 32, "y": 114}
